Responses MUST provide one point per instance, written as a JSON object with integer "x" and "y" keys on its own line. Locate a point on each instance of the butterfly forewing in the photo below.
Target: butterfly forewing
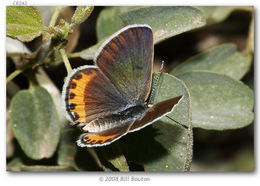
{"x": 127, "y": 60}
{"x": 88, "y": 95}
{"x": 155, "y": 112}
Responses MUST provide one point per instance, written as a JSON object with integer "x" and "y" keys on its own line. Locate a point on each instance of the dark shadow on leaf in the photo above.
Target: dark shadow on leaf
{"x": 85, "y": 161}
{"x": 151, "y": 143}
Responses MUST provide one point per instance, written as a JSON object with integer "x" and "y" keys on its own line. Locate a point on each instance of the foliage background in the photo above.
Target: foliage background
{"x": 225, "y": 150}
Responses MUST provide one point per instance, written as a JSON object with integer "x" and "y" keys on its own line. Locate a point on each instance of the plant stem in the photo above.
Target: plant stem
{"x": 32, "y": 79}
{"x": 14, "y": 54}
{"x": 16, "y": 73}
{"x": 65, "y": 60}
{"x": 55, "y": 16}
{"x": 13, "y": 75}
{"x": 74, "y": 55}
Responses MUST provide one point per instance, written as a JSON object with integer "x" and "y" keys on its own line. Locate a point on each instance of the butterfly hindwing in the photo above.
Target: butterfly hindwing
{"x": 105, "y": 137}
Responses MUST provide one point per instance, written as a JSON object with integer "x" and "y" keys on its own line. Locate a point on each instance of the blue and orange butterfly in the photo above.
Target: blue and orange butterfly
{"x": 108, "y": 100}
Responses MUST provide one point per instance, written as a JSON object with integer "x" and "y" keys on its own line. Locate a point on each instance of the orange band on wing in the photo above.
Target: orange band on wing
{"x": 90, "y": 95}
{"x": 106, "y": 136}
{"x": 93, "y": 138}
{"x": 76, "y": 95}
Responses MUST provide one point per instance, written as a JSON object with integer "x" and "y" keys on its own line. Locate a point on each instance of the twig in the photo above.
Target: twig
{"x": 65, "y": 60}
{"x": 16, "y": 73}
{"x": 14, "y": 54}
{"x": 55, "y": 16}
{"x": 74, "y": 55}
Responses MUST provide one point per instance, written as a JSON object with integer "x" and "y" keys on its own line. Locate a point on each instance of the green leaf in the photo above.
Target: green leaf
{"x": 35, "y": 122}
{"x": 45, "y": 168}
{"x": 206, "y": 10}
{"x": 166, "y": 21}
{"x": 67, "y": 148}
{"x": 164, "y": 145}
{"x": 89, "y": 53}
{"x": 81, "y": 14}
{"x": 46, "y": 13}
{"x": 44, "y": 81}
{"x": 109, "y": 22}
{"x": 113, "y": 155}
{"x": 14, "y": 165}
{"x": 218, "y": 101}
{"x": 222, "y": 59}
{"x": 216, "y": 14}
{"x": 23, "y": 23}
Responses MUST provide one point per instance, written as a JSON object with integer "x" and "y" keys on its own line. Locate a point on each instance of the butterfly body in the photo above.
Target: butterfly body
{"x": 113, "y": 120}
{"x": 108, "y": 99}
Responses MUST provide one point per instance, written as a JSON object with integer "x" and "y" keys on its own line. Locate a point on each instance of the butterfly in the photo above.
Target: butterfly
{"x": 107, "y": 100}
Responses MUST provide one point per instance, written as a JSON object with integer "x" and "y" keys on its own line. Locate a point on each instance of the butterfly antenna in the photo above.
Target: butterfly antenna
{"x": 184, "y": 126}
{"x": 157, "y": 80}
